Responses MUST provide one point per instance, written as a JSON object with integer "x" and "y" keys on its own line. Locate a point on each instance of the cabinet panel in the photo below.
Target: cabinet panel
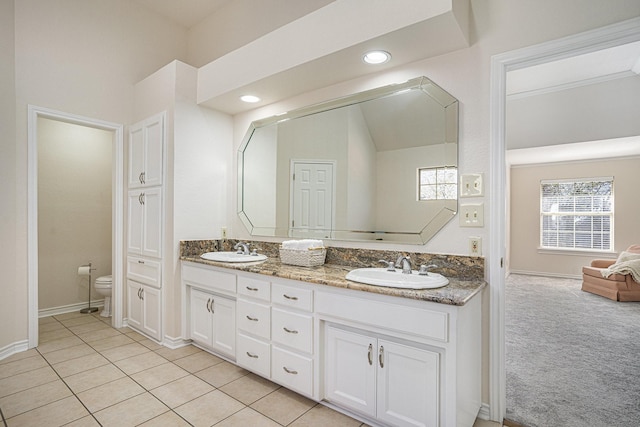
{"x": 210, "y": 279}
{"x": 408, "y": 385}
{"x": 254, "y": 318}
{"x": 136, "y": 155}
{"x": 154, "y": 147}
{"x": 152, "y": 222}
{"x": 135, "y": 222}
{"x": 254, "y": 355}
{"x": 144, "y": 271}
{"x": 151, "y": 311}
{"x": 289, "y": 296}
{"x": 254, "y": 288}
{"x": 224, "y": 325}
{"x": 134, "y": 308}
{"x": 292, "y": 329}
{"x": 292, "y": 370}
{"x": 200, "y": 325}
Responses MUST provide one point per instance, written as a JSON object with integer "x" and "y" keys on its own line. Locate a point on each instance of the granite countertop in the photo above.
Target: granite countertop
{"x": 457, "y": 292}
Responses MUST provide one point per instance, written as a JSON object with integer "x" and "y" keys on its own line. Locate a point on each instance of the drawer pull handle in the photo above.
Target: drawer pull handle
{"x": 254, "y": 356}
{"x": 249, "y": 288}
{"x": 140, "y": 261}
{"x": 290, "y": 371}
{"x": 253, "y": 319}
{"x": 291, "y": 298}
{"x": 209, "y": 305}
{"x": 290, "y": 331}
{"x": 370, "y": 354}
{"x": 381, "y": 357}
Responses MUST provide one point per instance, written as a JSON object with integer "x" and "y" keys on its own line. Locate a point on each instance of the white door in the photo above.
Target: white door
{"x": 312, "y": 199}
{"x": 351, "y": 370}
{"x": 151, "y": 308}
{"x": 408, "y": 385}
{"x": 224, "y": 325}
{"x": 152, "y": 222}
{"x": 134, "y": 306}
{"x": 200, "y": 322}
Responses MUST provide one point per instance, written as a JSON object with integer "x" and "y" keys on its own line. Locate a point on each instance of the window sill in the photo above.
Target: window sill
{"x": 576, "y": 252}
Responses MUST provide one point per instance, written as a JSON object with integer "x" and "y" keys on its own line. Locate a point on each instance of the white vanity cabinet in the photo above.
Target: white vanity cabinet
{"x": 143, "y": 308}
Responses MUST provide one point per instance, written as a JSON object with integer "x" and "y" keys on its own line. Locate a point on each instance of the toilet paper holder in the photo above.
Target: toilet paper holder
{"x": 85, "y": 270}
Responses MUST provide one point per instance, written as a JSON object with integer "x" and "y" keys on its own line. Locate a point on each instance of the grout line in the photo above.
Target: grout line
{"x": 3, "y": 420}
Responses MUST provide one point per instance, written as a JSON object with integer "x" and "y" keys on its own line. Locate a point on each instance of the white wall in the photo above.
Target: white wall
{"x": 525, "y": 212}
{"x": 74, "y": 210}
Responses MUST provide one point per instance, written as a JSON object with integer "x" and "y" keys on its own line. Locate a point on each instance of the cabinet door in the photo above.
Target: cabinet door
{"x": 152, "y": 222}
{"x": 136, "y": 155}
{"x": 154, "y": 129}
{"x": 200, "y": 322}
{"x": 408, "y": 385}
{"x": 350, "y": 370}
{"x": 151, "y": 310}
{"x": 134, "y": 307}
{"x": 135, "y": 222}
{"x": 224, "y": 325}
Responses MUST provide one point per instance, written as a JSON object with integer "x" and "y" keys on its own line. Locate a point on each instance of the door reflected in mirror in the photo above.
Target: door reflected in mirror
{"x": 380, "y": 165}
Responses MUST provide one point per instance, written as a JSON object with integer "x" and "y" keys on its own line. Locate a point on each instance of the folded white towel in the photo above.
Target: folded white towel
{"x": 302, "y": 245}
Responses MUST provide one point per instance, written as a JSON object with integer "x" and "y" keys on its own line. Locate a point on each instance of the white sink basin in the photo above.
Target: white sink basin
{"x": 383, "y": 277}
{"x": 232, "y": 257}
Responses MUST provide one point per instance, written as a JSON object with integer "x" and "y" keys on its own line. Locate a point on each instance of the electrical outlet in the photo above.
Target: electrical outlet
{"x": 224, "y": 232}
{"x": 475, "y": 246}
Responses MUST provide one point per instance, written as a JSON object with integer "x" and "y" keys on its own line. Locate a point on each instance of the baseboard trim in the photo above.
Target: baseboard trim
{"x": 53, "y": 311}
{"x": 13, "y": 348}
{"x": 543, "y": 274}
{"x": 175, "y": 342}
{"x": 484, "y": 412}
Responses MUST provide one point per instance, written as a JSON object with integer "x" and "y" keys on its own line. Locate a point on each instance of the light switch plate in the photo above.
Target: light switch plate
{"x": 471, "y": 185}
{"x": 471, "y": 215}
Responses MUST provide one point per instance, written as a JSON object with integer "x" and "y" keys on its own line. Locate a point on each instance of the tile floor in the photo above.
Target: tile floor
{"x": 86, "y": 373}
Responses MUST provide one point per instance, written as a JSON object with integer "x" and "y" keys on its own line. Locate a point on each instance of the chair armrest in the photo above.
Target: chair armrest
{"x": 602, "y": 263}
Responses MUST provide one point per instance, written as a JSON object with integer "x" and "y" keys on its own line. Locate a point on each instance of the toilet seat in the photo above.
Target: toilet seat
{"x": 103, "y": 285}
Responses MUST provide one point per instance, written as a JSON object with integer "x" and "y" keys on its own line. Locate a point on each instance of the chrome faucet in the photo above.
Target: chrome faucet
{"x": 242, "y": 248}
{"x": 404, "y": 262}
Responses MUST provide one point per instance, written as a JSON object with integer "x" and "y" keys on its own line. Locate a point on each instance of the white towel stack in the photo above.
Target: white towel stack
{"x": 302, "y": 245}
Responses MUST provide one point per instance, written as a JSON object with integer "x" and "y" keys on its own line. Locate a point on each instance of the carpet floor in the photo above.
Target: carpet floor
{"x": 572, "y": 357}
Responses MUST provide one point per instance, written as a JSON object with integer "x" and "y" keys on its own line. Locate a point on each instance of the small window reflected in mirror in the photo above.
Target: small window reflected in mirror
{"x": 438, "y": 183}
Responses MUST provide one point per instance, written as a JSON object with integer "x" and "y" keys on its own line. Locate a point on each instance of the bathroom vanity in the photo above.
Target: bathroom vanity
{"x": 386, "y": 356}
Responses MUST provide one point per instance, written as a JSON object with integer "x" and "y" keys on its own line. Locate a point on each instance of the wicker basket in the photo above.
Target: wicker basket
{"x": 309, "y": 258}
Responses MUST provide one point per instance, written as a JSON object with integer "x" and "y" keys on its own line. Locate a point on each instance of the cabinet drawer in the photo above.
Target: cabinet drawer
{"x": 210, "y": 279}
{"x": 290, "y": 296}
{"x": 253, "y": 355}
{"x": 254, "y": 318}
{"x": 144, "y": 271}
{"x": 255, "y": 288}
{"x": 292, "y": 370}
{"x": 292, "y": 329}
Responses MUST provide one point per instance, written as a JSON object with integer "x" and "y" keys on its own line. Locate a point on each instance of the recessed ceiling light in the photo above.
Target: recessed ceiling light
{"x": 249, "y": 98}
{"x": 376, "y": 57}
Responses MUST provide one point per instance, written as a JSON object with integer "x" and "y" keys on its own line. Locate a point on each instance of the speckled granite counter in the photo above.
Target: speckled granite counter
{"x": 457, "y": 292}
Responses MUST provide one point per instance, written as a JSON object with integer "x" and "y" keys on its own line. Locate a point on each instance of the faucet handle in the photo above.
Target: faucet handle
{"x": 424, "y": 269}
{"x": 391, "y": 266}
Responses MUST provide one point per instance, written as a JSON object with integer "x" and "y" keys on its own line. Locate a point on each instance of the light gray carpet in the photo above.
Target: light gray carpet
{"x": 572, "y": 358}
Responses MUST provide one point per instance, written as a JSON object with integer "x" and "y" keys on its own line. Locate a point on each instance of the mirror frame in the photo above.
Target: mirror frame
{"x": 439, "y": 220}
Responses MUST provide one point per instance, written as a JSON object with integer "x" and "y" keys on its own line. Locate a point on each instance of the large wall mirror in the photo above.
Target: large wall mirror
{"x": 380, "y": 165}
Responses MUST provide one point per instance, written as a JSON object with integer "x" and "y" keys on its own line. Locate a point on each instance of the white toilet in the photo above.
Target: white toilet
{"x": 103, "y": 287}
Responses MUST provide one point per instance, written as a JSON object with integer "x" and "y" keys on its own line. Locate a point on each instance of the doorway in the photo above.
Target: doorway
{"x": 42, "y": 121}
{"x": 614, "y": 35}
{"x": 312, "y": 200}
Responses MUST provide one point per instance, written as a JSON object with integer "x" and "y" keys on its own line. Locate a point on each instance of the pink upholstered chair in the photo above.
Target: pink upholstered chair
{"x": 618, "y": 287}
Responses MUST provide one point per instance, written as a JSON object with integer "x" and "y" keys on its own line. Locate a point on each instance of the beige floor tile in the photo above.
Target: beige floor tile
{"x": 221, "y": 374}
{"x": 135, "y": 364}
{"x": 111, "y": 342}
{"x": 22, "y": 355}
{"x": 198, "y": 361}
{"x": 124, "y": 351}
{"x": 80, "y": 364}
{"x": 159, "y": 375}
{"x": 58, "y": 344}
{"x": 136, "y": 336}
{"x": 51, "y": 326}
{"x": 98, "y": 335}
{"x": 168, "y": 419}
{"x": 209, "y": 409}
{"x": 57, "y": 413}
{"x": 181, "y": 391}
{"x": 45, "y": 337}
{"x": 178, "y": 353}
{"x": 25, "y": 380}
{"x": 26, "y": 400}
{"x": 68, "y": 353}
{"x": 249, "y": 417}
{"x": 151, "y": 345}
{"x": 283, "y": 406}
{"x": 109, "y": 394}
{"x": 81, "y": 320}
{"x": 131, "y": 412}
{"x": 249, "y": 388}
{"x": 87, "y": 421}
{"x": 45, "y": 320}
{"x": 320, "y": 415}
{"x": 22, "y": 365}
{"x": 93, "y": 378}
{"x": 70, "y": 315}
{"x": 88, "y": 327}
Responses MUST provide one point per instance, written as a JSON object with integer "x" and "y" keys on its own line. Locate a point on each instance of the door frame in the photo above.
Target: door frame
{"x": 613, "y": 35}
{"x": 117, "y": 226}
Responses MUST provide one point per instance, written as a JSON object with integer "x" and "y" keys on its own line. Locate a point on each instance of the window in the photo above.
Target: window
{"x": 438, "y": 183}
{"x": 577, "y": 214}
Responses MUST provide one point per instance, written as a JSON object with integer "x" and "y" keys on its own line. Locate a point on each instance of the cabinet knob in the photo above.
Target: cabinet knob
{"x": 290, "y": 331}
{"x": 253, "y": 319}
{"x": 291, "y": 298}
{"x": 254, "y": 356}
{"x": 290, "y": 371}
{"x": 381, "y": 357}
